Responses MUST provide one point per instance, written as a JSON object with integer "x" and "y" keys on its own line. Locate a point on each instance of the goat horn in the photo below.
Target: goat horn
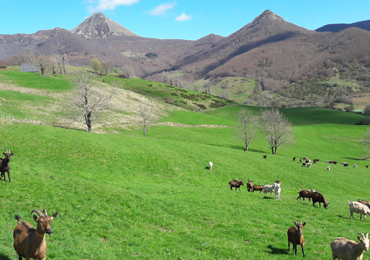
{"x": 38, "y": 212}
{"x": 363, "y": 236}
{"x": 45, "y": 212}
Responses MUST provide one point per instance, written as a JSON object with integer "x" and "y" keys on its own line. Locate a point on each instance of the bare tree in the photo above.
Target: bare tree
{"x": 276, "y": 128}
{"x": 147, "y": 115}
{"x": 246, "y": 127}
{"x": 27, "y": 56}
{"x": 107, "y": 67}
{"x": 89, "y": 100}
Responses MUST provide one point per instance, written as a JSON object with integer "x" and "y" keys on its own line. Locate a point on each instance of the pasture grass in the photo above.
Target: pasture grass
{"x": 127, "y": 197}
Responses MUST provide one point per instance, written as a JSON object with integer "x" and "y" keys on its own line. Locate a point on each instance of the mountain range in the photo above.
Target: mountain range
{"x": 269, "y": 50}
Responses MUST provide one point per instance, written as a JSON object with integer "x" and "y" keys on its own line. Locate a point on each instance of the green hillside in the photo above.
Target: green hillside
{"x": 122, "y": 196}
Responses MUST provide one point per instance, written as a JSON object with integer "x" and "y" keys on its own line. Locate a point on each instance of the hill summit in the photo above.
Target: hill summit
{"x": 100, "y": 26}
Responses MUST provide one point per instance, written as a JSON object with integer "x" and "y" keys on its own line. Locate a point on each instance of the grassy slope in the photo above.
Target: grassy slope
{"x": 126, "y": 197}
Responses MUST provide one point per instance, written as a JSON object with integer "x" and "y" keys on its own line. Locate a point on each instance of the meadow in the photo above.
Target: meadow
{"x": 122, "y": 196}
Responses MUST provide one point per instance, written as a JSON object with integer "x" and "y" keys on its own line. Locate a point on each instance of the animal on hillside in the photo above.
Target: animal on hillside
{"x": 277, "y": 190}
{"x": 328, "y": 168}
{"x": 250, "y": 185}
{"x": 257, "y": 187}
{"x": 367, "y": 166}
{"x": 309, "y": 165}
{"x": 30, "y": 242}
{"x": 305, "y": 194}
{"x": 210, "y": 165}
{"x": 333, "y": 162}
{"x": 293, "y": 158}
{"x": 358, "y": 207}
{"x": 367, "y": 203}
{"x": 345, "y": 164}
{"x": 4, "y": 165}
{"x": 295, "y": 236}
{"x": 303, "y": 164}
{"x": 316, "y": 160}
{"x": 265, "y": 156}
{"x": 235, "y": 184}
{"x": 268, "y": 188}
{"x": 355, "y": 166}
{"x": 345, "y": 249}
{"x": 318, "y": 197}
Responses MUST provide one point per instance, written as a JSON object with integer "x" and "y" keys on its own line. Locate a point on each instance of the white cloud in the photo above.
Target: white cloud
{"x": 162, "y": 9}
{"x": 183, "y": 17}
{"x": 111, "y": 4}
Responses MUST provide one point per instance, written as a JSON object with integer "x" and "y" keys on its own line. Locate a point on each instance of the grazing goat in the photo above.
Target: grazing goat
{"x": 316, "y": 160}
{"x": 268, "y": 188}
{"x": 235, "y": 184}
{"x": 328, "y": 168}
{"x": 358, "y": 207}
{"x": 355, "y": 166}
{"x": 318, "y": 197}
{"x": 277, "y": 190}
{"x": 345, "y": 164}
{"x": 345, "y": 249}
{"x": 210, "y": 165}
{"x": 333, "y": 162}
{"x": 250, "y": 185}
{"x": 305, "y": 194}
{"x": 30, "y": 242}
{"x": 367, "y": 203}
{"x": 309, "y": 165}
{"x": 367, "y": 166}
{"x": 257, "y": 187}
{"x": 295, "y": 236}
{"x": 4, "y": 165}
{"x": 265, "y": 156}
{"x": 293, "y": 158}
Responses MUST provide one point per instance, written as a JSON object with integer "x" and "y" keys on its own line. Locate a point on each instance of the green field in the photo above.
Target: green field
{"x": 121, "y": 196}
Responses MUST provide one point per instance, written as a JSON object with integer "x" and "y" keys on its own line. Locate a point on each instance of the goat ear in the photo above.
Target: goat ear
{"x": 54, "y": 215}
{"x": 11, "y": 153}
{"x": 35, "y": 218}
{"x": 304, "y": 224}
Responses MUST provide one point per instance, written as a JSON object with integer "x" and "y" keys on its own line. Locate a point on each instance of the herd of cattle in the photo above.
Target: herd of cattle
{"x": 341, "y": 247}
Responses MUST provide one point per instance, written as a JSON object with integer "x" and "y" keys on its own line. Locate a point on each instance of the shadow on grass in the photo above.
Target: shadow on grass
{"x": 356, "y": 159}
{"x": 4, "y": 257}
{"x": 277, "y": 251}
{"x": 267, "y": 198}
{"x": 340, "y": 216}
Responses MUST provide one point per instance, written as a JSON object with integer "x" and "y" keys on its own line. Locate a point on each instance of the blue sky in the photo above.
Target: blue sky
{"x": 178, "y": 19}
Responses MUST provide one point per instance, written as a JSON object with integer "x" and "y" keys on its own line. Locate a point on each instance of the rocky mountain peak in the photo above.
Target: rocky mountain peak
{"x": 267, "y": 15}
{"x": 100, "y": 26}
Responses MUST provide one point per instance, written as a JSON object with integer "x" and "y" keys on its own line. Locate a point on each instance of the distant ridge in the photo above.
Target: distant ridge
{"x": 100, "y": 26}
{"x": 341, "y": 26}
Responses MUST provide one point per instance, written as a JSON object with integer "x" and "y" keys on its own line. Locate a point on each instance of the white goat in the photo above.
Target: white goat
{"x": 210, "y": 165}
{"x": 358, "y": 207}
{"x": 328, "y": 168}
{"x": 309, "y": 164}
{"x": 268, "y": 188}
{"x": 345, "y": 249}
{"x": 277, "y": 190}
{"x": 355, "y": 166}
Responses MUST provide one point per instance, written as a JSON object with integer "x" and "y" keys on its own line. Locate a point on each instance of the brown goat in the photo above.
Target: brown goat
{"x": 30, "y": 242}
{"x": 305, "y": 194}
{"x": 318, "y": 197}
{"x": 257, "y": 187}
{"x": 295, "y": 236}
{"x": 235, "y": 184}
{"x": 4, "y": 165}
{"x": 367, "y": 203}
{"x": 250, "y": 185}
